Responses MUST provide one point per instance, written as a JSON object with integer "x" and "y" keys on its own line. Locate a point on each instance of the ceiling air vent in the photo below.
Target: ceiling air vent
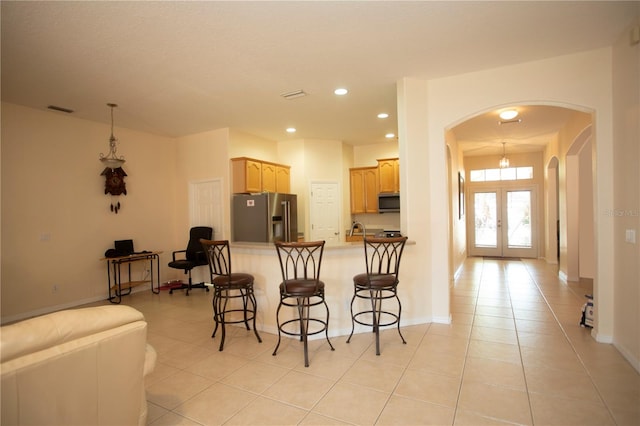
{"x": 293, "y": 94}
{"x": 517, "y": 120}
{"x": 61, "y": 109}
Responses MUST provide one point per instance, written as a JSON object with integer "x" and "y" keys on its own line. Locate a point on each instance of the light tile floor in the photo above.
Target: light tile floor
{"x": 514, "y": 354}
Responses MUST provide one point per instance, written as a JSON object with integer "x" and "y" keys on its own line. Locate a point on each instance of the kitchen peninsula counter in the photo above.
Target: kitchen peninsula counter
{"x": 340, "y": 263}
{"x": 270, "y": 246}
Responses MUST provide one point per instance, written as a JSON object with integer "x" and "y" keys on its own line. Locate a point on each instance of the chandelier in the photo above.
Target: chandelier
{"x": 504, "y": 161}
{"x": 111, "y": 160}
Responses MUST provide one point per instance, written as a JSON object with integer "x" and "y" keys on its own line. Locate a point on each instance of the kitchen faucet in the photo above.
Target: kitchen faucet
{"x": 353, "y": 226}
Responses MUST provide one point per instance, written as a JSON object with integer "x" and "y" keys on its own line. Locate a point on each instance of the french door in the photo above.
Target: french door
{"x": 503, "y": 222}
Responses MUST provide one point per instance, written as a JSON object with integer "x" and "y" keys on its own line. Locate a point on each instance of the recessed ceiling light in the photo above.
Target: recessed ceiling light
{"x": 383, "y": 115}
{"x": 509, "y": 114}
{"x": 390, "y": 135}
{"x": 291, "y": 129}
{"x": 341, "y": 91}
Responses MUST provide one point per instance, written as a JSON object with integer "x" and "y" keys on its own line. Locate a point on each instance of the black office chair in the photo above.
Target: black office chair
{"x": 227, "y": 287}
{"x": 378, "y": 283}
{"x": 193, "y": 256}
{"x": 302, "y": 289}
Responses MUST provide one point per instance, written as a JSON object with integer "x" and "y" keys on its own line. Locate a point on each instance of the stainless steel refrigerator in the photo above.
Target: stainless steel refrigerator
{"x": 265, "y": 217}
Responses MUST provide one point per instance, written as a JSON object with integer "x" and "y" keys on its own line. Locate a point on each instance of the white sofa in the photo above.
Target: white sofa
{"x": 76, "y": 367}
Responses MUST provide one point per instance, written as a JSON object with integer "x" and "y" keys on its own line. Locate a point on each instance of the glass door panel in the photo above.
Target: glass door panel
{"x": 493, "y": 208}
{"x": 519, "y": 219}
{"x": 485, "y": 207}
{"x": 486, "y": 240}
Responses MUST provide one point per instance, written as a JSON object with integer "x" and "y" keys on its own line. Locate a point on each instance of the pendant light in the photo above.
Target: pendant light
{"x": 504, "y": 161}
{"x": 111, "y": 160}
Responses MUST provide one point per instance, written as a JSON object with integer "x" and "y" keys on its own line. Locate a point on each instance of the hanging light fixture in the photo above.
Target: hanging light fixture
{"x": 504, "y": 161}
{"x": 111, "y": 160}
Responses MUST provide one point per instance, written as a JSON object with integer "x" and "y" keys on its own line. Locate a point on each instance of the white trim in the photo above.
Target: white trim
{"x": 601, "y": 338}
{"x": 562, "y": 275}
{"x": 635, "y": 362}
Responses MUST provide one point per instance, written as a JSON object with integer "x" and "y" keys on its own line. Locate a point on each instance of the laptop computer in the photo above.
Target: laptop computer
{"x": 123, "y": 247}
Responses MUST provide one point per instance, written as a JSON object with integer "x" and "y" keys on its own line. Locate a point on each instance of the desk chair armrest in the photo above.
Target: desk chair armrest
{"x": 178, "y": 251}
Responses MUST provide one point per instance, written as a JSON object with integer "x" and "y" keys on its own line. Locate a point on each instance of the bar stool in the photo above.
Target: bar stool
{"x": 378, "y": 283}
{"x": 229, "y": 287}
{"x": 301, "y": 289}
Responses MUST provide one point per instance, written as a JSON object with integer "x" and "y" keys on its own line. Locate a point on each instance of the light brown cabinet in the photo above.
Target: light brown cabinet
{"x": 364, "y": 190}
{"x": 246, "y": 175}
{"x": 389, "y": 175}
{"x": 283, "y": 179}
{"x": 268, "y": 177}
{"x": 251, "y": 175}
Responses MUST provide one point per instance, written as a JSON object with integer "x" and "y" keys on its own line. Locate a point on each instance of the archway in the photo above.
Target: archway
{"x": 552, "y": 220}
{"x": 578, "y": 259}
{"x": 552, "y": 146}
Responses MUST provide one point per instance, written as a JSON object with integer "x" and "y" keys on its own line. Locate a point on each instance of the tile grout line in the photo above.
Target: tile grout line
{"x": 404, "y": 371}
{"x": 515, "y": 325}
{"x": 466, "y": 352}
{"x": 568, "y": 339}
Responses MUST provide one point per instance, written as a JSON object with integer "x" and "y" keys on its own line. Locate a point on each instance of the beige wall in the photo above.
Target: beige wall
{"x": 367, "y": 155}
{"x": 56, "y": 222}
{"x": 200, "y": 157}
{"x": 624, "y": 211}
{"x": 577, "y": 131}
{"x": 457, "y": 224}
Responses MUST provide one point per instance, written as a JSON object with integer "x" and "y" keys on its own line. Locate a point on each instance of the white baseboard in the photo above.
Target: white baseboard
{"x": 562, "y": 275}
{"x": 601, "y": 338}
{"x": 635, "y": 362}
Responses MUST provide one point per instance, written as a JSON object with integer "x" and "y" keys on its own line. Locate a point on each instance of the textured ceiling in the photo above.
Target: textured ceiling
{"x": 178, "y": 68}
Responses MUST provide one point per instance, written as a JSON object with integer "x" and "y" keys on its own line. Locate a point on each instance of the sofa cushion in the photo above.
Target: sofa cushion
{"x": 43, "y": 332}
{"x": 83, "y": 366}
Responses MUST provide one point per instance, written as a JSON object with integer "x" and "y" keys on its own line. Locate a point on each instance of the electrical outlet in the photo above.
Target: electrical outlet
{"x": 54, "y": 288}
{"x": 630, "y": 236}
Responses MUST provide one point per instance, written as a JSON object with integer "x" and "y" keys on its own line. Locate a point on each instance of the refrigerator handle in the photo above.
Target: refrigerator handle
{"x": 286, "y": 210}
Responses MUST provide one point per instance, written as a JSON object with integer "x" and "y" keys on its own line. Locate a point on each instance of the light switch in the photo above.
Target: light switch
{"x": 630, "y": 236}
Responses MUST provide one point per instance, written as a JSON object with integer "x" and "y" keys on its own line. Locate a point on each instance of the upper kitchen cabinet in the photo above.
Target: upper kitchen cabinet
{"x": 268, "y": 177}
{"x": 283, "y": 179}
{"x": 364, "y": 190}
{"x": 251, "y": 175}
{"x": 389, "y": 175}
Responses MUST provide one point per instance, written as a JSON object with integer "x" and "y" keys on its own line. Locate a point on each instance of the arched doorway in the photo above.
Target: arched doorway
{"x": 552, "y": 221}
{"x": 479, "y": 139}
{"x": 578, "y": 246}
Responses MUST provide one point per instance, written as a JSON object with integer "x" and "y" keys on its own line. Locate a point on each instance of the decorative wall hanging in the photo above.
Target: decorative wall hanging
{"x": 114, "y": 185}
{"x": 113, "y": 172}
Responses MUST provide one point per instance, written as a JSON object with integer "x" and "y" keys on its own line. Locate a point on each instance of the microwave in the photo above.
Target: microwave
{"x": 389, "y": 202}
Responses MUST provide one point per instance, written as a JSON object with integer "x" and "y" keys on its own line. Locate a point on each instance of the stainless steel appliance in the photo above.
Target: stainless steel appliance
{"x": 265, "y": 217}
{"x": 388, "y": 203}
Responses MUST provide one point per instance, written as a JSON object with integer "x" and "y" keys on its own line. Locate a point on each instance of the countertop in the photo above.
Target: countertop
{"x": 270, "y": 247}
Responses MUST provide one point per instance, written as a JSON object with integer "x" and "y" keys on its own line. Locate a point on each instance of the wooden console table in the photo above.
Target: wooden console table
{"x": 114, "y": 274}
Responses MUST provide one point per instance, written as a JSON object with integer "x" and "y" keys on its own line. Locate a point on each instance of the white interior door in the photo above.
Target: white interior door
{"x": 503, "y": 222}
{"x": 324, "y": 212}
{"x": 205, "y": 205}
